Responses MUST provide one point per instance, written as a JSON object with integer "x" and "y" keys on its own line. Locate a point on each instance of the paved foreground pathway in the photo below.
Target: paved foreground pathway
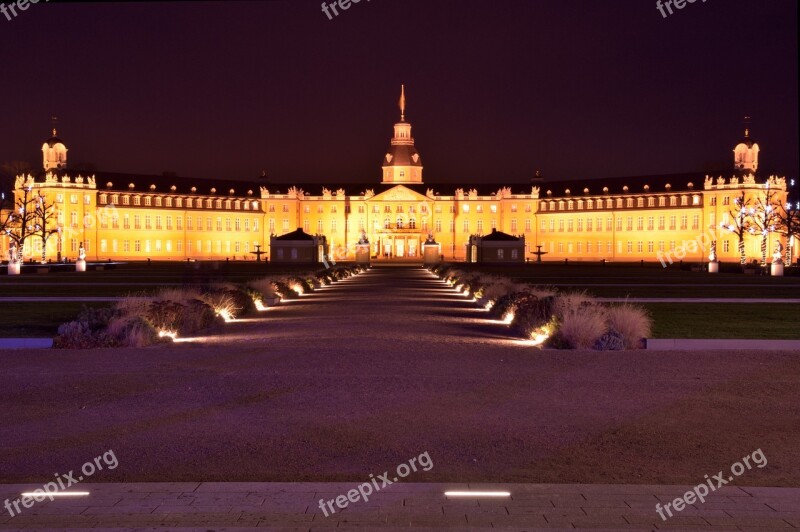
{"x": 365, "y": 374}
{"x": 296, "y": 506}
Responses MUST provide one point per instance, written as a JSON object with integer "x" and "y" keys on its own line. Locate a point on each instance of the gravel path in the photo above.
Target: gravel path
{"x": 371, "y": 371}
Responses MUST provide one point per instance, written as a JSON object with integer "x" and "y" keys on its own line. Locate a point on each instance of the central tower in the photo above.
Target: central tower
{"x": 402, "y": 164}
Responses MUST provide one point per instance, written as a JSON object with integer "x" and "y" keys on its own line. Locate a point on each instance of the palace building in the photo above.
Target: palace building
{"x": 117, "y": 216}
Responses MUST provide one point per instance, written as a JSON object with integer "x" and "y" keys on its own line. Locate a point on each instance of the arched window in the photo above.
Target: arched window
{"x": 387, "y": 223}
{"x": 399, "y": 222}
{"x": 412, "y": 223}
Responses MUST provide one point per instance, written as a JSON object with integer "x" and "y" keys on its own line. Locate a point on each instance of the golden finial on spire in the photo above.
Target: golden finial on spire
{"x": 402, "y": 102}
{"x": 746, "y": 126}
{"x": 54, "y": 119}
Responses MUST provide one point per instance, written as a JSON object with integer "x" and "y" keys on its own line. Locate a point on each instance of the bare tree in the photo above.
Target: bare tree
{"x": 789, "y": 226}
{"x": 739, "y": 222}
{"x": 31, "y": 216}
{"x": 43, "y": 222}
{"x": 765, "y": 219}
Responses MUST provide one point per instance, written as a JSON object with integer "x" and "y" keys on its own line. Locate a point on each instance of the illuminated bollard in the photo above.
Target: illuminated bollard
{"x": 713, "y": 267}
{"x": 14, "y": 268}
{"x": 80, "y": 265}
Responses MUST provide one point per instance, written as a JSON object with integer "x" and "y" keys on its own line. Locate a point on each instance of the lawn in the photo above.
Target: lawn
{"x": 740, "y": 320}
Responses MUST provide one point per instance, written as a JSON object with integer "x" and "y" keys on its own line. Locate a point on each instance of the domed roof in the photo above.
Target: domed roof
{"x": 52, "y": 141}
{"x": 747, "y": 140}
{"x": 402, "y": 155}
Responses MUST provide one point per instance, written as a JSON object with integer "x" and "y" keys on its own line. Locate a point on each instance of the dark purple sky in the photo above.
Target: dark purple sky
{"x": 496, "y": 88}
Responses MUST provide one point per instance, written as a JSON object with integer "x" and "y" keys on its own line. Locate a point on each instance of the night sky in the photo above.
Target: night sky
{"x": 496, "y": 89}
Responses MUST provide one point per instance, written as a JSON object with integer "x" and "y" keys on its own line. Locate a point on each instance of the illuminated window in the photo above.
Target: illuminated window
{"x": 640, "y": 202}
{"x": 651, "y": 202}
{"x": 479, "y": 228}
{"x": 500, "y": 254}
{"x": 662, "y": 201}
{"x": 569, "y": 225}
{"x": 465, "y": 208}
{"x": 466, "y": 226}
{"x": 589, "y": 225}
{"x": 148, "y": 201}
{"x": 580, "y": 225}
{"x": 672, "y": 225}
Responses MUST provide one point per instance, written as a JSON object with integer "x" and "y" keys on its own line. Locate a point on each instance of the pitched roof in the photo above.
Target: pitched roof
{"x": 298, "y": 234}
{"x": 499, "y": 236}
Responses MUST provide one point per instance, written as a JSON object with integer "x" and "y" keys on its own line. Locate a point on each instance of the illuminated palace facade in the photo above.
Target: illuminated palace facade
{"x": 130, "y": 217}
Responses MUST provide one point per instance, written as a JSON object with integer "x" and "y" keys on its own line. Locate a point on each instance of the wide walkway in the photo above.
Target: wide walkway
{"x": 296, "y": 506}
{"x": 368, "y": 373}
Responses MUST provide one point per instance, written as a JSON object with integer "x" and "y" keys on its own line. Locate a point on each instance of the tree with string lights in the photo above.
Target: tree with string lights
{"x": 789, "y": 226}
{"x": 739, "y": 222}
{"x": 30, "y": 216}
{"x": 764, "y": 218}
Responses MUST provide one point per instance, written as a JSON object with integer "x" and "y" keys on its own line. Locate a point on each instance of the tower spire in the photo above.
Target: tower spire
{"x": 402, "y": 103}
{"x": 746, "y": 126}
{"x": 54, "y": 120}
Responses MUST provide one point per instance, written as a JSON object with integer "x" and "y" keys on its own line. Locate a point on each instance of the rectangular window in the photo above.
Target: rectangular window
{"x": 580, "y": 225}
{"x": 513, "y": 226}
{"x": 650, "y": 223}
{"x": 696, "y": 221}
